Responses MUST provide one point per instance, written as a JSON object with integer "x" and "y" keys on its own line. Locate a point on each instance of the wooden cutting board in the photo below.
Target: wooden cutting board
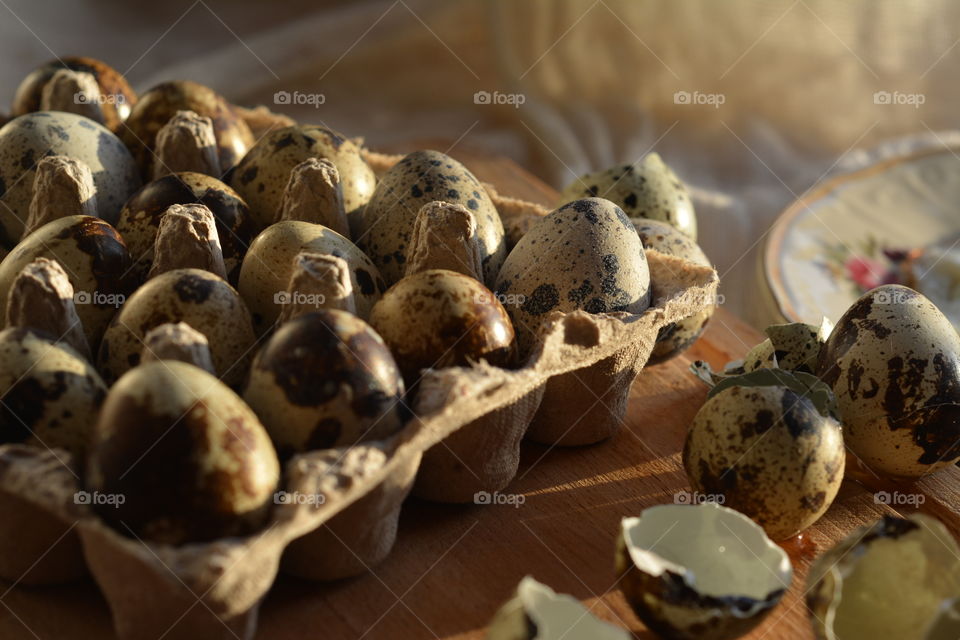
{"x": 454, "y": 565}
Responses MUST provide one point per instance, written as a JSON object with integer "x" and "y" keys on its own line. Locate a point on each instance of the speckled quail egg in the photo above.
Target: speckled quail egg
{"x": 766, "y": 450}
{"x": 647, "y": 189}
{"x": 384, "y": 228}
{"x": 201, "y": 299}
{"x": 886, "y": 580}
{"x": 677, "y": 337}
{"x": 537, "y": 612}
{"x": 49, "y": 394}
{"x": 118, "y": 97}
{"x": 262, "y": 175}
{"x": 439, "y": 318}
{"x": 265, "y": 273}
{"x": 24, "y": 141}
{"x": 140, "y": 218}
{"x": 187, "y": 456}
{"x": 325, "y": 379}
{"x": 95, "y": 259}
{"x": 699, "y": 572}
{"x": 893, "y": 361}
{"x": 159, "y": 104}
{"x": 585, "y": 255}
{"x": 794, "y": 347}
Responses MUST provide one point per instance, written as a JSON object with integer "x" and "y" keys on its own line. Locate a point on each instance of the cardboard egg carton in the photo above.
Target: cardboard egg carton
{"x": 465, "y": 438}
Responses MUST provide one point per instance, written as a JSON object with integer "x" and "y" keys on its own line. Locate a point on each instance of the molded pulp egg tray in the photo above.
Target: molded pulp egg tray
{"x": 464, "y": 438}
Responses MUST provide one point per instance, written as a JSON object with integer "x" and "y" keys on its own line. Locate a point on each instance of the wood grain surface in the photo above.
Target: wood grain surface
{"x": 454, "y": 565}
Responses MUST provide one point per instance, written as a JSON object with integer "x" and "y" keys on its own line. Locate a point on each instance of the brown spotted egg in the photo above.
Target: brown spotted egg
{"x": 204, "y": 301}
{"x": 155, "y": 108}
{"x": 648, "y": 189}
{"x": 893, "y": 361}
{"x": 266, "y": 269}
{"x": 439, "y": 318}
{"x": 96, "y": 261}
{"x": 24, "y": 141}
{"x": 325, "y": 379}
{"x": 677, "y": 337}
{"x": 189, "y": 457}
{"x": 140, "y": 218}
{"x": 385, "y": 227}
{"x": 585, "y": 255}
{"x": 262, "y": 175}
{"x": 767, "y": 452}
{"x": 49, "y": 394}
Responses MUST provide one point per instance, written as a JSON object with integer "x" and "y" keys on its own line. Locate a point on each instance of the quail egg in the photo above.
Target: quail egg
{"x": 893, "y": 361}
{"x": 537, "y": 612}
{"x": 767, "y": 449}
{"x": 49, "y": 394}
{"x": 384, "y": 229}
{"x": 201, "y": 299}
{"x": 162, "y": 102}
{"x": 268, "y": 265}
{"x": 24, "y": 141}
{"x": 585, "y": 255}
{"x": 118, "y": 97}
{"x": 699, "y": 572}
{"x": 262, "y": 175}
{"x": 794, "y": 347}
{"x": 95, "y": 259}
{"x": 185, "y": 459}
{"x": 647, "y": 189}
{"x": 886, "y": 580}
{"x": 140, "y": 218}
{"x": 439, "y": 318}
{"x": 325, "y": 379}
{"x": 675, "y": 338}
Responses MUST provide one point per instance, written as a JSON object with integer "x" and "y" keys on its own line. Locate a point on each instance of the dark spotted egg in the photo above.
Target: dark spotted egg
{"x": 24, "y": 141}
{"x": 385, "y": 228}
{"x": 893, "y": 361}
{"x": 585, "y": 255}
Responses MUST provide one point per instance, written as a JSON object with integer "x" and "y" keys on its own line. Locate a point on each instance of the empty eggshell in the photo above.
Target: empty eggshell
{"x": 699, "y": 572}
{"x": 794, "y": 347}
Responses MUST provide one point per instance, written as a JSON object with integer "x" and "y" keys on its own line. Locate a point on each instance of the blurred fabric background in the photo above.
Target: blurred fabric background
{"x": 752, "y": 102}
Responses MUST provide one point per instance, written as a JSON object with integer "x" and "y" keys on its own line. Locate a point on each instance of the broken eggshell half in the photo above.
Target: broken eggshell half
{"x": 703, "y": 572}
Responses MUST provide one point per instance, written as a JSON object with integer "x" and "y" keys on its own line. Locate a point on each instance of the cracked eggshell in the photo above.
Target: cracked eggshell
{"x": 699, "y": 572}
{"x": 262, "y": 175}
{"x": 537, "y": 612}
{"x": 648, "y": 189}
{"x": 201, "y": 299}
{"x": 585, "y": 255}
{"x": 155, "y": 108}
{"x": 95, "y": 259}
{"x": 140, "y": 219}
{"x": 893, "y": 361}
{"x": 385, "y": 226}
{"x": 26, "y": 140}
{"x": 266, "y": 269}
{"x": 50, "y": 394}
{"x": 190, "y": 459}
{"x": 794, "y": 347}
{"x": 325, "y": 379}
{"x": 769, "y": 452}
{"x": 439, "y": 318}
{"x": 675, "y": 338}
{"x": 886, "y": 580}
